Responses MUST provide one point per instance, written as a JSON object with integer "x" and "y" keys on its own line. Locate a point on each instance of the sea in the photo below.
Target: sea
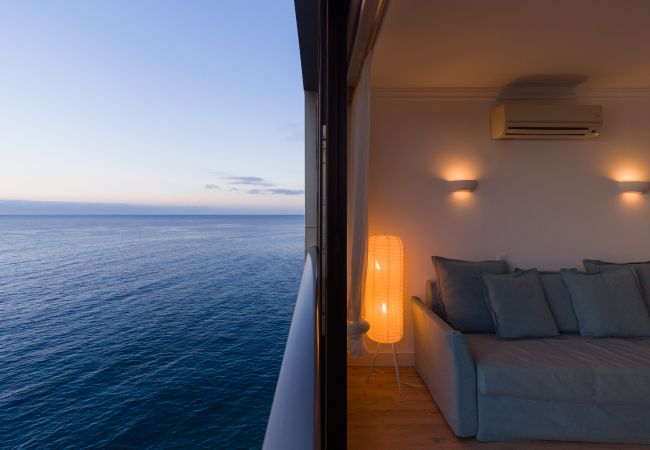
{"x": 143, "y": 331}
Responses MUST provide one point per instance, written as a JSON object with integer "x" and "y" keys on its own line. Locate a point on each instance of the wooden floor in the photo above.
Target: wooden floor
{"x": 378, "y": 418}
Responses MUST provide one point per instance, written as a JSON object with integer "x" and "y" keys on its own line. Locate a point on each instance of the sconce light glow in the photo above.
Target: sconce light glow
{"x": 638, "y": 187}
{"x": 462, "y": 185}
{"x": 632, "y": 198}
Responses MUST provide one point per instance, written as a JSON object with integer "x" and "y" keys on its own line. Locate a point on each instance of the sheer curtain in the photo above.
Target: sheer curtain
{"x": 358, "y": 155}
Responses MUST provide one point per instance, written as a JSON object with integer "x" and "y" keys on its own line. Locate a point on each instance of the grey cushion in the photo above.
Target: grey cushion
{"x": 570, "y": 388}
{"x": 608, "y": 303}
{"x": 518, "y": 305}
{"x": 461, "y": 293}
{"x": 642, "y": 270}
{"x": 559, "y": 300}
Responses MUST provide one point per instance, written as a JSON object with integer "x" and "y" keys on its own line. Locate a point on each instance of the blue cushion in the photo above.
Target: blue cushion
{"x": 518, "y": 305}
{"x": 642, "y": 270}
{"x": 608, "y": 303}
{"x": 559, "y": 300}
{"x": 461, "y": 293}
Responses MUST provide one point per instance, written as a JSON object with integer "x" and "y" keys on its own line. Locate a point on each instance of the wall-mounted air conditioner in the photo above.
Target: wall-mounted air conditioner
{"x": 546, "y": 121}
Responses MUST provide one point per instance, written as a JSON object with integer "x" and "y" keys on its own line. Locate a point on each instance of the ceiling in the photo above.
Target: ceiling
{"x": 501, "y": 43}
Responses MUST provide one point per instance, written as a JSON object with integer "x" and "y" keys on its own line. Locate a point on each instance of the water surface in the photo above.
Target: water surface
{"x": 136, "y": 332}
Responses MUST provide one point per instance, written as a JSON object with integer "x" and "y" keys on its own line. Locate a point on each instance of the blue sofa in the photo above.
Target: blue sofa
{"x": 569, "y": 388}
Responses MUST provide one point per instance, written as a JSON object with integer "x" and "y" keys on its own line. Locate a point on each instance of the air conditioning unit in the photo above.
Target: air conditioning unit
{"x": 546, "y": 121}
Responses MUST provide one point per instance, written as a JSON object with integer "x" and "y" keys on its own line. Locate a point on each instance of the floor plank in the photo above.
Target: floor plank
{"x": 378, "y": 418}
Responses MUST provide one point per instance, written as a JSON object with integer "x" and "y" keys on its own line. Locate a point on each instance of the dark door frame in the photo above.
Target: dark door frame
{"x": 332, "y": 307}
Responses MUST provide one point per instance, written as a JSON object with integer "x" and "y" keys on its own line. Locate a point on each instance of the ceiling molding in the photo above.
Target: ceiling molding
{"x": 513, "y": 93}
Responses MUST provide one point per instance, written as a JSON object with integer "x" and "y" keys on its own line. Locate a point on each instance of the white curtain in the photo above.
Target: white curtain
{"x": 358, "y": 155}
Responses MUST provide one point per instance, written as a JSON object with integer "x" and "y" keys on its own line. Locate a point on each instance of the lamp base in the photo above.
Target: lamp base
{"x": 372, "y": 366}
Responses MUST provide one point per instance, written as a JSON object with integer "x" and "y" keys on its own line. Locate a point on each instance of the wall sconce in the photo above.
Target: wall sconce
{"x": 638, "y": 187}
{"x": 462, "y": 185}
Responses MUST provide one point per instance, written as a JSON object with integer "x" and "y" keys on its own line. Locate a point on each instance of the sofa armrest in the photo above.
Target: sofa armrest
{"x": 445, "y": 363}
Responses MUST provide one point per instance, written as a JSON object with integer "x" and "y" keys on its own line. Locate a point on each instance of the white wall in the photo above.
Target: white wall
{"x": 547, "y": 204}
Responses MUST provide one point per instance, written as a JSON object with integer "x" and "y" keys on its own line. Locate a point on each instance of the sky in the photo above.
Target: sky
{"x": 191, "y": 105}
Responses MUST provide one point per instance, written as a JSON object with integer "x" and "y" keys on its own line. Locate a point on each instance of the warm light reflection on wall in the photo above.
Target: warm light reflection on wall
{"x": 632, "y": 198}
{"x": 629, "y": 178}
{"x": 383, "y": 299}
{"x": 627, "y": 174}
{"x": 456, "y": 163}
{"x": 462, "y": 197}
{"x": 460, "y": 172}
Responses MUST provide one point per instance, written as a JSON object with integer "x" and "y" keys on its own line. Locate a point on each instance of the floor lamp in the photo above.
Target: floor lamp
{"x": 383, "y": 299}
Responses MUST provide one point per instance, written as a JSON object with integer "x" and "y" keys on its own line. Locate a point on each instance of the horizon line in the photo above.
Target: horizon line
{"x": 72, "y": 208}
{"x": 148, "y": 215}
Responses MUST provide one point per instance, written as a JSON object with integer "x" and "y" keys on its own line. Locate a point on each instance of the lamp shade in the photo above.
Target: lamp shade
{"x": 383, "y": 299}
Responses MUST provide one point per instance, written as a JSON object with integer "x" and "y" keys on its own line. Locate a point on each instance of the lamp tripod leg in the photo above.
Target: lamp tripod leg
{"x": 372, "y": 365}
{"x": 399, "y": 385}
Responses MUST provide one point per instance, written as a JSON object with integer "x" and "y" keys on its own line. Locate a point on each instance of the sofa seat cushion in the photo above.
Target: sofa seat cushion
{"x": 567, "y": 369}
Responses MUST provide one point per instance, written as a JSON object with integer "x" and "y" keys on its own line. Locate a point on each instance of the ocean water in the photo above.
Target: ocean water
{"x": 143, "y": 332}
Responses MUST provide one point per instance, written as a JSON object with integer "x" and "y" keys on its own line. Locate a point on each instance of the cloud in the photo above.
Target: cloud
{"x": 276, "y": 191}
{"x": 279, "y": 191}
{"x": 260, "y": 186}
{"x": 293, "y": 132}
{"x": 295, "y": 136}
{"x": 248, "y": 181}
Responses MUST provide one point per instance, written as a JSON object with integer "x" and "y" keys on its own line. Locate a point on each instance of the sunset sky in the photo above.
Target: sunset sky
{"x": 165, "y": 103}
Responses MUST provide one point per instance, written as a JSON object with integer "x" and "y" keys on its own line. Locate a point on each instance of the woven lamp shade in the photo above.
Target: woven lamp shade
{"x": 383, "y": 299}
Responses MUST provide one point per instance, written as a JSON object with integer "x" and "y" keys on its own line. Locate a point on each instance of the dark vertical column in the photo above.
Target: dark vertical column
{"x": 333, "y": 174}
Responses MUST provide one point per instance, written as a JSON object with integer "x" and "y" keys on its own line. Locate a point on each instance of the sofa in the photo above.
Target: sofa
{"x": 567, "y": 387}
